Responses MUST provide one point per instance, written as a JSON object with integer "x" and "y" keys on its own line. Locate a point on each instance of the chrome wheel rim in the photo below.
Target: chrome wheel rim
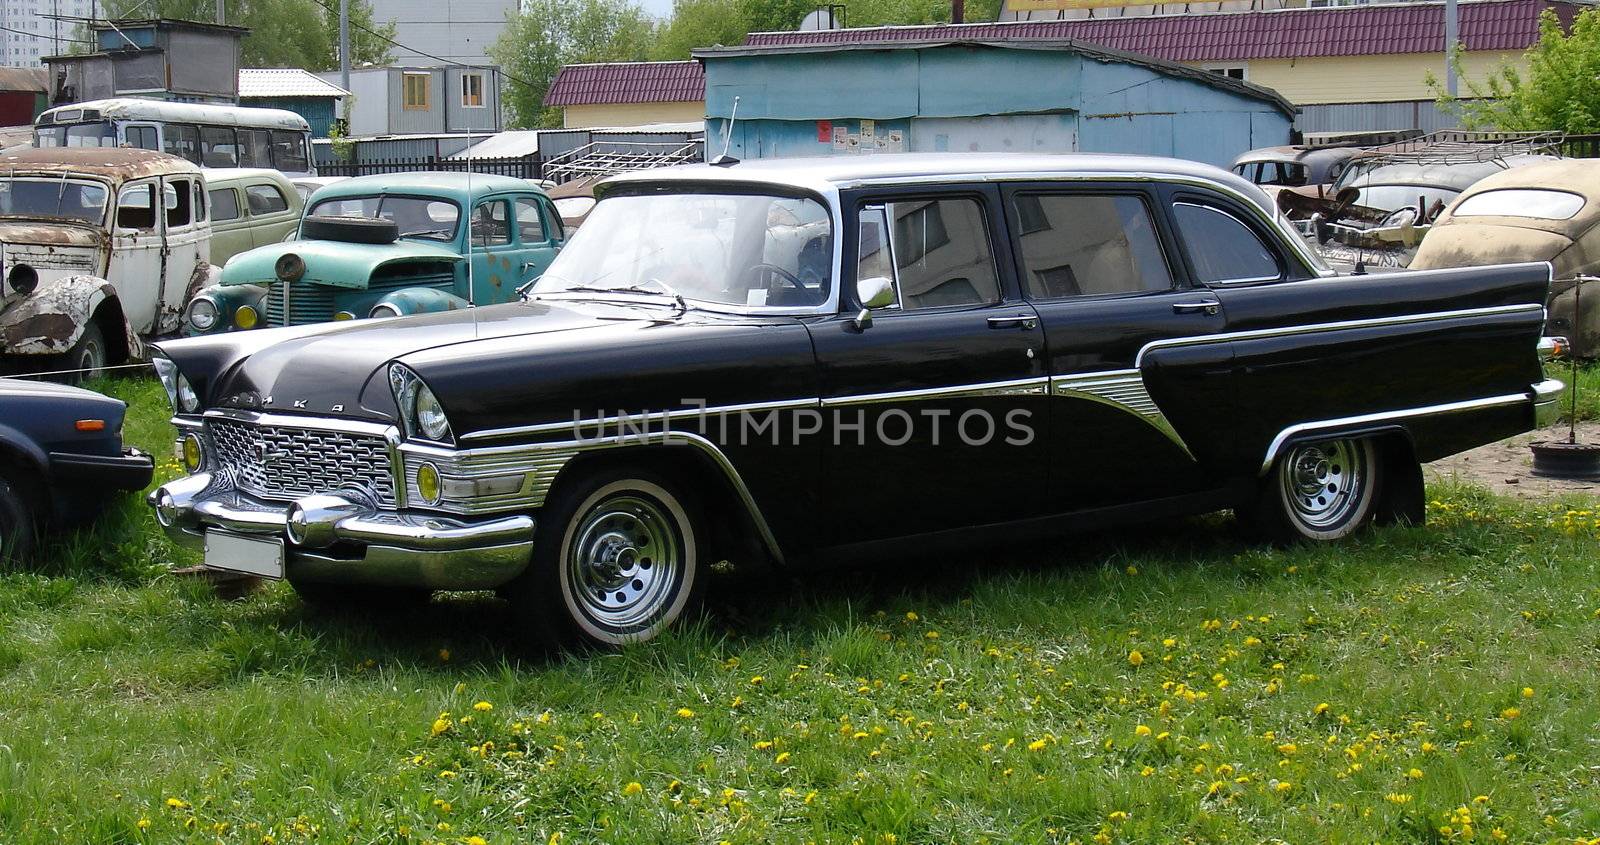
{"x": 1324, "y": 483}
{"x": 89, "y": 359}
{"x": 625, "y": 565}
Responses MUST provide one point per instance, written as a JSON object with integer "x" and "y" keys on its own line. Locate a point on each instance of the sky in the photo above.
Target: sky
{"x": 659, "y": 8}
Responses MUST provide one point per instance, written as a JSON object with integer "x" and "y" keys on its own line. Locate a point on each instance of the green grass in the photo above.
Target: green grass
{"x": 986, "y": 697}
{"x": 1588, "y": 385}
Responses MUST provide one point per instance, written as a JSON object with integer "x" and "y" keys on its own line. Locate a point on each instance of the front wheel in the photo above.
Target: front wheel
{"x": 16, "y": 524}
{"x": 1323, "y": 490}
{"x": 618, "y": 560}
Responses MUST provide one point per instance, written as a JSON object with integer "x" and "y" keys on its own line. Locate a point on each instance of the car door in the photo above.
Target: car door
{"x": 188, "y": 245}
{"x": 495, "y": 254}
{"x": 538, "y": 232}
{"x": 230, "y": 227}
{"x": 137, "y": 252}
{"x": 273, "y": 212}
{"x": 1095, "y": 261}
{"x": 935, "y": 406}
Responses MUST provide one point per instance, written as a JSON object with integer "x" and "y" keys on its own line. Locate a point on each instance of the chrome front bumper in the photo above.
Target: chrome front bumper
{"x": 336, "y": 539}
{"x": 1547, "y": 402}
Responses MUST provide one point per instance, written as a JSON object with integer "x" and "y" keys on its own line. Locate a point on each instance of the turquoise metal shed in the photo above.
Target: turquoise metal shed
{"x": 991, "y": 96}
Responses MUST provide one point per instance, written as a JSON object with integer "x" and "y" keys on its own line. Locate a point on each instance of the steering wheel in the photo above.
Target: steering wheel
{"x": 1394, "y": 218}
{"x": 777, "y": 272}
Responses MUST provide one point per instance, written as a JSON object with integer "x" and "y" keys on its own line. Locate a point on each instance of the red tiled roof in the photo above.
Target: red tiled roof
{"x": 1279, "y": 34}
{"x": 628, "y": 82}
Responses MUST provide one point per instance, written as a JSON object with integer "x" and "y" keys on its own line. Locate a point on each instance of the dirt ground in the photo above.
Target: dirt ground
{"x": 1504, "y": 467}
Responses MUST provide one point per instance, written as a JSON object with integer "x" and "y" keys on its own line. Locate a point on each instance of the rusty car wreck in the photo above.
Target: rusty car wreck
{"x": 98, "y": 248}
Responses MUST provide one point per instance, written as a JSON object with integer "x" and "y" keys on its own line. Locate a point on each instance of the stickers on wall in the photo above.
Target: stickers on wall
{"x": 824, "y": 131}
{"x": 841, "y": 142}
{"x": 869, "y": 139}
{"x": 893, "y": 141}
{"x": 852, "y": 143}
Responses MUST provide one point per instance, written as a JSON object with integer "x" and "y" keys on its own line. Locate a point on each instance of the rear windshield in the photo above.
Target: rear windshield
{"x": 1521, "y": 202}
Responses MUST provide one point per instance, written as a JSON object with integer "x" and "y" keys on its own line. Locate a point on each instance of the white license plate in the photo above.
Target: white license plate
{"x": 238, "y": 553}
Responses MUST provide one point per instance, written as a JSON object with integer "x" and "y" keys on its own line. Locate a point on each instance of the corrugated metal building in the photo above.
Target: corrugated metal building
{"x": 993, "y": 96}
{"x": 292, "y": 89}
{"x": 628, "y": 93}
{"x": 1348, "y": 67}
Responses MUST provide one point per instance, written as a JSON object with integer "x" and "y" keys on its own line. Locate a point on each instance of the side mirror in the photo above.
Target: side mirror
{"x": 873, "y": 292}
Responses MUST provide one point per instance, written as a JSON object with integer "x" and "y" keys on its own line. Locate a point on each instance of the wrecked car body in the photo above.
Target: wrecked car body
{"x": 98, "y": 248}
{"x": 1545, "y": 212}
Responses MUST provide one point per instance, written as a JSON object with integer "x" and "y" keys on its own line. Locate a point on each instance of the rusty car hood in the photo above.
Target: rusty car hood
{"x": 49, "y": 232}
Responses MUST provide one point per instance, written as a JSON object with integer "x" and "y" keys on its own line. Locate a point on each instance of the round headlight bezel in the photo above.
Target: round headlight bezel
{"x": 194, "y": 453}
{"x": 383, "y": 311}
{"x": 246, "y": 317}
{"x": 203, "y": 314}
{"x": 429, "y": 414}
{"x": 430, "y": 486}
{"x": 188, "y": 401}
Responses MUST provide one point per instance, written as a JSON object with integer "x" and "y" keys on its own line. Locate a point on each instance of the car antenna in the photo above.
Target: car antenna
{"x": 472, "y": 301}
{"x": 726, "y": 160}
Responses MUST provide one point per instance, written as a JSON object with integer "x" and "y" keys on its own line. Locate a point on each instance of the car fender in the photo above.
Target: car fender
{"x": 227, "y": 299}
{"x": 408, "y": 301}
{"x": 16, "y": 447}
{"x": 51, "y": 319}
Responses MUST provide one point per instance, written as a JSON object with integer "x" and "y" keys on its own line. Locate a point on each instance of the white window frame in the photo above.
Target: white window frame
{"x": 483, "y": 99}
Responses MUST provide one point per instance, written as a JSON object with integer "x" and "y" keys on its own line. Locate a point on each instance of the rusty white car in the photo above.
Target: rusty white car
{"x": 99, "y": 248}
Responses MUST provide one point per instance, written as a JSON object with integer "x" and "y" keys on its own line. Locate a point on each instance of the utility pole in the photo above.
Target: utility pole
{"x": 222, "y": 16}
{"x": 344, "y": 51}
{"x": 1452, "y": 28}
{"x": 958, "y": 11}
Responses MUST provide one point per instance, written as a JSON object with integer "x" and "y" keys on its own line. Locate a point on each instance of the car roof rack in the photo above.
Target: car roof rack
{"x": 1462, "y": 146}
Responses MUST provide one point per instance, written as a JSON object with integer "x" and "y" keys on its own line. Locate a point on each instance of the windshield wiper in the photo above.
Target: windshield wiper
{"x": 425, "y": 232}
{"x": 661, "y": 289}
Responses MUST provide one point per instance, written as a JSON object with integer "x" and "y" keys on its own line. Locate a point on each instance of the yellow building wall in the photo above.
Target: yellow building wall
{"x": 1366, "y": 79}
{"x": 632, "y": 114}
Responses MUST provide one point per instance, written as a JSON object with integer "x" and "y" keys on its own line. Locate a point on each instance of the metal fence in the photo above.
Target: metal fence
{"x": 530, "y": 167}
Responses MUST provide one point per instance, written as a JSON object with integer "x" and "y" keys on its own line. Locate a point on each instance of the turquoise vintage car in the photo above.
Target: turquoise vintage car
{"x": 388, "y": 246}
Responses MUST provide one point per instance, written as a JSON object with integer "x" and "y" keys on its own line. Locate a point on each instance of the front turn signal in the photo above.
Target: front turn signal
{"x": 246, "y": 317}
{"x": 90, "y": 425}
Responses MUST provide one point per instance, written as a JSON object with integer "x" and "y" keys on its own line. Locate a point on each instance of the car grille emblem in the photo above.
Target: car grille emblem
{"x": 265, "y": 455}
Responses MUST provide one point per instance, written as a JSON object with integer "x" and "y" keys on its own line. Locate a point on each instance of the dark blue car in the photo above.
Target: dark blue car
{"x": 61, "y": 458}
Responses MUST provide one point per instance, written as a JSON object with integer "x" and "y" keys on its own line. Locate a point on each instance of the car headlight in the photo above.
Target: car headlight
{"x": 420, "y": 410}
{"x": 188, "y": 400}
{"x": 167, "y": 372}
{"x": 202, "y": 314}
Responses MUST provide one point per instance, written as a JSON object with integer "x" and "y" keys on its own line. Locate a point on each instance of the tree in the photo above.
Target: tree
{"x": 546, "y": 34}
{"x": 1558, "y": 94}
{"x": 702, "y": 23}
{"x": 283, "y": 33}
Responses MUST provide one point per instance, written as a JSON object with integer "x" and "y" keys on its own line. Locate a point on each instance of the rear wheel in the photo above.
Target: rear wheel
{"x": 618, "y": 561}
{"x": 87, "y": 358}
{"x": 1323, "y": 490}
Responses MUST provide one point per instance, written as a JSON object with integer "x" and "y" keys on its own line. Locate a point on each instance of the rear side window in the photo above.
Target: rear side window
{"x": 224, "y": 205}
{"x": 289, "y": 151}
{"x": 265, "y": 199}
{"x": 218, "y": 148}
{"x": 1222, "y": 248}
{"x": 934, "y": 253}
{"x": 1082, "y": 245}
{"x": 182, "y": 141}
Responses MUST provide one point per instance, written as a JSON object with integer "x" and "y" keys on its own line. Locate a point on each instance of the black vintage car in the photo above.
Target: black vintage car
{"x": 812, "y": 361}
{"x": 61, "y": 458}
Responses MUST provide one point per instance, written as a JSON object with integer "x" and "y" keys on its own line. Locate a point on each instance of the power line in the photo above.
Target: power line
{"x": 44, "y": 37}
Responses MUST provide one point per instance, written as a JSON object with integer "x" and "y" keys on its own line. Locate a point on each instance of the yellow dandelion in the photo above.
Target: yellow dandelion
{"x": 476, "y": 840}
{"x": 1135, "y": 657}
{"x": 177, "y": 804}
{"x": 763, "y": 745}
{"x": 1527, "y": 692}
{"x": 1322, "y": 709}
{"x": 483, "y": 707}
{"x": 143, "y": 823}
{"x": 1146, "y": 771}
{"x": 1169, "y": 642}
{"x": 1510, "y": 713}
{"x": 444, "y": 655}
{"x": 633, "y": 788}
{"x": 1414, "y": 774}
{"x": 1282, "y": 786}
{"x": 1037, "y": 745}
{"x": 1132, "y": 570}
{"x": 1117, "y": 816}
{"x": 1142, "y": 730}
{"x": 783, "y": 757}
{"x": 931, "y": 635}
{"x": 757, "y": 681}
{"x": 1398, "y": 798}
{"x": 1288, "y": 749}
{"x": 685, "y": 713}
{"x": 911, "y": 616}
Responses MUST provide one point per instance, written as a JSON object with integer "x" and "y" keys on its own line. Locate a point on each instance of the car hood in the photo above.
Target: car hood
{"x": 338, "y": 369}
{"x": 336, "y": 263}
{"x": 49, "y": 233}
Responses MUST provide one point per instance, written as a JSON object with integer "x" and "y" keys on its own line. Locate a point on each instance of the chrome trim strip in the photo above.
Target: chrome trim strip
{"x": 574, "y": 426}
{"x": 1547, "y": 402}
{"x": 1384, "y": 416}
{"x": 269, "y": 418}
{"x": 1034, "y": 386}
{"x": 1311, "y": 328}
{"x": 1121, "y": 389}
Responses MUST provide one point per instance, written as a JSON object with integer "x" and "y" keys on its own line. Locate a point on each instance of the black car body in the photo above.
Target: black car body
{"x": 61, "y": 458}
{"x": 816, "y": 360}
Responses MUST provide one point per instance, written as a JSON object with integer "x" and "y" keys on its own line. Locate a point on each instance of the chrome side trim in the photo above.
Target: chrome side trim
{"x": 652, "y": 417}
{"x": 1298, "y": 429}
{"x": 1121, "y": 389}
{"x": 1311, "y": 328}
{"x": 1035, "y": 386}
{"x": 1547, "y": 402}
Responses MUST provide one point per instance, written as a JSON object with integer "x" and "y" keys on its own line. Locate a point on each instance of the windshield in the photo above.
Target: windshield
{"x": 724, "y": 249}
{"x": 418, "y": 217}
{"x": 101, "y": 134}
{"x": 1395, "y": 197}
{"x": 68, "y": 199}
{"x": 1521, "y": 202}
{"x": 1287, "y": 174}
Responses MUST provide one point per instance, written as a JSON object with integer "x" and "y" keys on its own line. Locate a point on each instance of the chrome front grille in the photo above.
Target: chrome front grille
{"x": 298, "y": 303}
{"x": 281, "y": 462}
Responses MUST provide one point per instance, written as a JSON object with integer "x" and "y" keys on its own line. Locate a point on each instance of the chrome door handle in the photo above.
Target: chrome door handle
{"x": 1020, "y": 321}
{"x": 1210, "y": 309}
